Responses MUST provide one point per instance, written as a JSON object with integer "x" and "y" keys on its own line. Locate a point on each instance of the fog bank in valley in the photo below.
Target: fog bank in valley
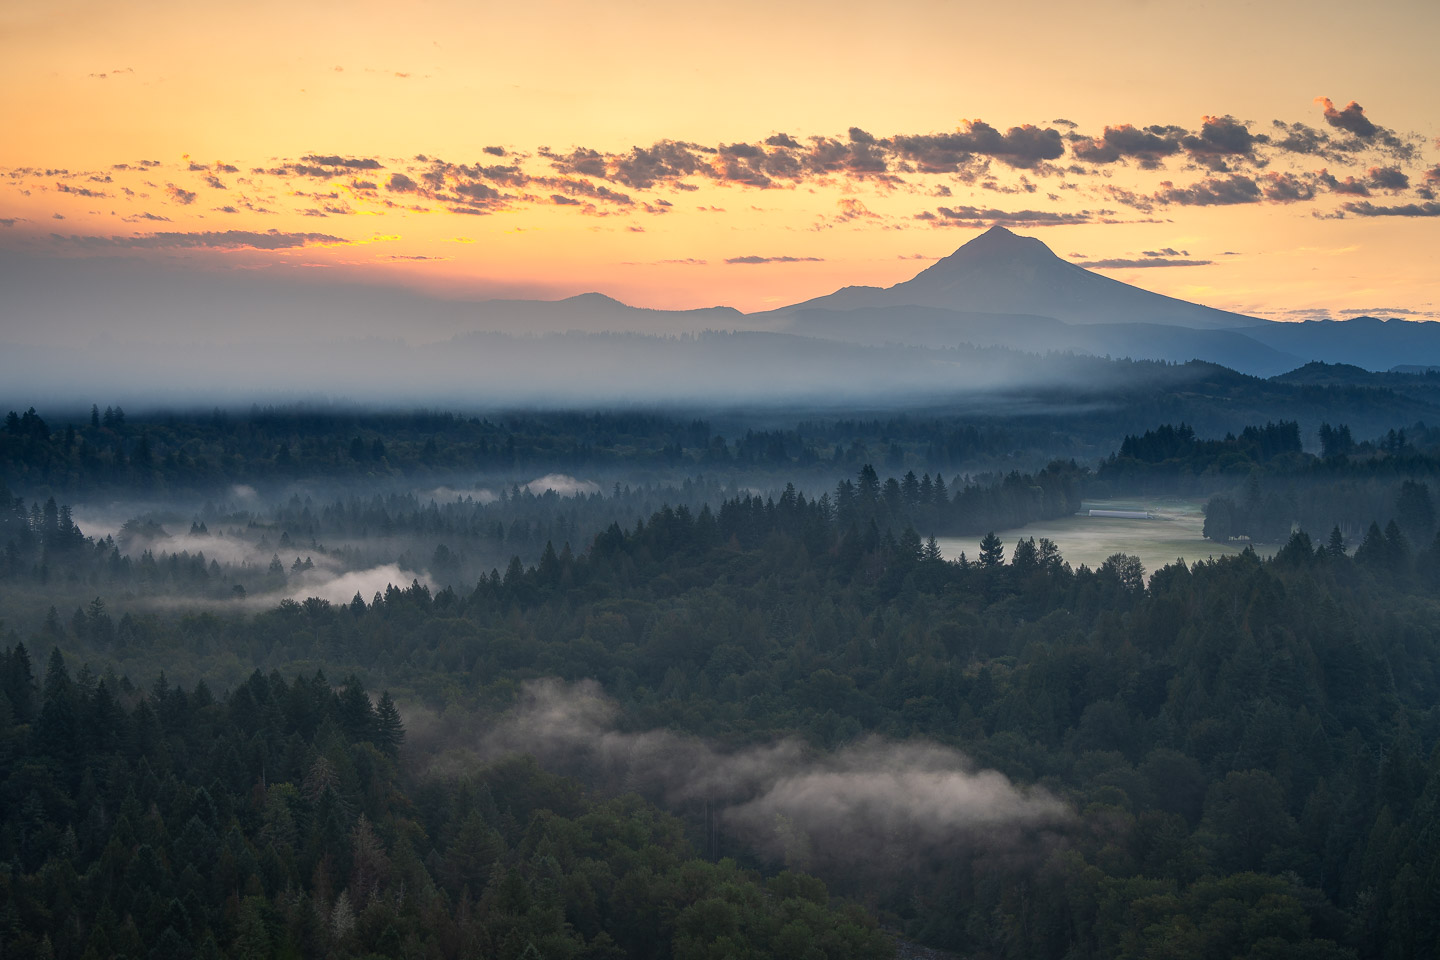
{"x": 868, "y": 804}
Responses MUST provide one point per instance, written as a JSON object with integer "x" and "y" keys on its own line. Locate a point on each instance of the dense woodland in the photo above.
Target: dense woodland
{"x": 1244, "y": 750}
{"x": 86, "y": 451}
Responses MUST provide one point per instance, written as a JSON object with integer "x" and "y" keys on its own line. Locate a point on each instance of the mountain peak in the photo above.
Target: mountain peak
{"x": 1000, "y": 271}
{"x": 593, "y": 299}
{"x": 1000, "y": 242}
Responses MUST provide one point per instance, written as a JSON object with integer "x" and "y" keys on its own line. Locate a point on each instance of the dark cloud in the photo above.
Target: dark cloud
{"x": 1129, "y": 198}
{"x": 180, "y": 194}
{"x": 1121, "y": 264}
{"x": 1351, "y": 117}
{"x": 643, "y": 167}
{"x": 1364, "y": 208}
{"x": 1219, "y": 137}
{"x": 9, "y": 221}
{"x": 852, "y": 209}
{"x": 1128, "y": 141}
{"x": 584, "y": 188}
{"x": 858, "y": 158}
{"x": 226, "y": 168}
{"x": 1433, "y": 174}
{"x": 212, "y": 240}
{"x": 782, "y": 140}
{"x": 478, "y": 191}
{"x": 1285, "y": 188}
{"x": 400, "y": 183}
{"x": 1388, "y": 178}
{"x": 145, "y": 216}
{"x": 349, "y": 163}
{"x": 755, "y": 259}
{"x": 988, "y": 217}
{"x": 563, "y": 201}
{"x": 1350, "y": 186}
{"x": 81, "y": 191}
{"x": 1024, "y": 146}
{"x": 495, "y": 151}
{"x": 1212, "y": 191}
{"x": 1304, "y": 139}
{"x": 216, "y": 182}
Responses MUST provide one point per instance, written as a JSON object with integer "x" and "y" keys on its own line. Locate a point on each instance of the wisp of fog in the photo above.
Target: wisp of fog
{"x": 870, "y": 801}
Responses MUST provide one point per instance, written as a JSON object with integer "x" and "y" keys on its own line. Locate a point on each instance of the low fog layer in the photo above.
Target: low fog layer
{"x": 876, "y": 799}
{"x": 551, "y": 371}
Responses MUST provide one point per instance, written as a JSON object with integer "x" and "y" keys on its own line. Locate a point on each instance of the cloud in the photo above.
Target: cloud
{"x": 989, "y": 217}
{"x": 1364, "y": 208}
{"x": 641, "y": 168}
{"x": 212, "y": 240}
{"x": 1212, "y": 191}
{"x": 1122, "y": 264}
{"x": 1388, "y": 178}
{"x": 1219, "y": 137}
{"x": 1285, "y": 188}
{"x": 180, "y": 194}
{"x": 755, "y": 259}
{"x": 1023, "y": 146}
{"x": 81, "y": 191}
{"x": 1148, "y": 145}
{"x": 1350, "y": 186}
{"x": 349, "y": 163}
{"x": 400, "y": 183}
{"x": 145, "y": 216}
{"x": 1350, "y": 118}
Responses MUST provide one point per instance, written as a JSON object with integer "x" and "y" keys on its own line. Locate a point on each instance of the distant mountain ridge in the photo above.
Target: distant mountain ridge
{"x": 1002, "y": 272}
{"x": 1002, "y": 289}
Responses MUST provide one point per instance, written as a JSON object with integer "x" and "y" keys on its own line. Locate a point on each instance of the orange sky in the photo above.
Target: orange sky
{"x": 174, "y": 131}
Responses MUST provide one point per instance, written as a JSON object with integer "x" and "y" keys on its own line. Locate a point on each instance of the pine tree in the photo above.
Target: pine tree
{"x": 390, "y": 730}
{"x": 992, "y": 551}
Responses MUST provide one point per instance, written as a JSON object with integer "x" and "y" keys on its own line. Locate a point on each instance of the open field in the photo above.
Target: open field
{"x": 1174, "y": 533}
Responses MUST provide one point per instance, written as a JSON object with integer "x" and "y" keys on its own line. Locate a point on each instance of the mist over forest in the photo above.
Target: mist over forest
{"x": 332, "y": 678}
{"x": 1009, "y": 611}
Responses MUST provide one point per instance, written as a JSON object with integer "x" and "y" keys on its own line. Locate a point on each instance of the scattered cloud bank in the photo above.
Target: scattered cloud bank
{"x": 1222, "y": 160}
